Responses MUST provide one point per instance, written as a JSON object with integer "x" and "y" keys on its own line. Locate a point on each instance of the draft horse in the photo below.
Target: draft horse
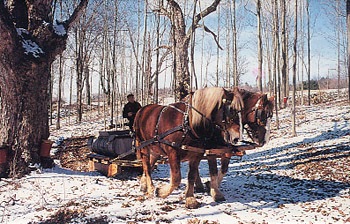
{"x": 256, "y": 119}
{"x": 182, "y": 131}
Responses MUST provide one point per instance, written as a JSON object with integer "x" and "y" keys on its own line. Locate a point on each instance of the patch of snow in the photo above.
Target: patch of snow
{"x": 45, "y": 23}
{"x": 59, "y": 29}
{"x": 263, "y": 187}
{"x": 21, "y": 31}
{"x": 29, "y": 46}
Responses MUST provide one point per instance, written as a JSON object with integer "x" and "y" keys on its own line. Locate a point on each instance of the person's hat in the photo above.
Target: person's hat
{"x": 130, "y": 95}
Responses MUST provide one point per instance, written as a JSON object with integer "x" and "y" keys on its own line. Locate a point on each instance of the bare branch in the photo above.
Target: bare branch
{"x": 246, "y": 8}
{"x": 201, "y": 15}
{"x": 206, "y": 29}
{"x": 76, "y": 14}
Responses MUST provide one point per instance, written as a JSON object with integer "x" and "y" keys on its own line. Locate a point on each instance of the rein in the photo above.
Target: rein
{"x": 184, "y": 127}
{"x": 258, "y": 119}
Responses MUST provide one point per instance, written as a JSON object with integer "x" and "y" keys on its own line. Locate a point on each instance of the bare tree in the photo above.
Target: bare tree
{"x": 308, "y": 51}
{"x": 294, "y": 133}
{"x": 181, "y": 40}
{"x": 348, "y": 35}
{"x": 260, "y": 46}
{"x": 25, "y": 74}
{"x": 284, "y": 51}
{"x": 234, "y": 45}
{"x": 275, "y": 58}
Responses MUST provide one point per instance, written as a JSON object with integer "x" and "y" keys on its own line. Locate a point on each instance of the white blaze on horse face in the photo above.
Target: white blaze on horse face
{"x": 267, "y": 134}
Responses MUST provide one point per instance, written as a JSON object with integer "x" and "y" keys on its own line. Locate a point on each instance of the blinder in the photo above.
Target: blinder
{"x": 261, "y": 116}
{"x": 230, "y": 114}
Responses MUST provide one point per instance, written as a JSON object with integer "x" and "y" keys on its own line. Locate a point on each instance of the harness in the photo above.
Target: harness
{"x": 184, "y": 127}
{"x": 260, "y": 117}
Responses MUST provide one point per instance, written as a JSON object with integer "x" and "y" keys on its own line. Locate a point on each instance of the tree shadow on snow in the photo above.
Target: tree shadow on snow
{"x": 271, "y": 190}
{"x": 254, "y": 180}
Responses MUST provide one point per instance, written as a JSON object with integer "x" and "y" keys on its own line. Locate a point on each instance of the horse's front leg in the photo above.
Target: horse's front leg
{"x": 199, "y": 187}
{"x": 146, "y": 180}
{"x": 214, "y": 182}
{"x": 175, "y": 175}
{"x": 225, "y": 161}
{"x": 193, "y": 176}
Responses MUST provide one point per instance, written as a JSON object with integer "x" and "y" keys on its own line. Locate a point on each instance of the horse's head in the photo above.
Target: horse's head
{"x": 257, "y": 116}
{"x": 219, "y": 114}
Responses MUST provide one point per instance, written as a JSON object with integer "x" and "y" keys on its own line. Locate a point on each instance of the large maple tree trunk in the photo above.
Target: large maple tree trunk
{"x": 24, "y": 113}
{"x": 30, "y": 42}
{"x": 181, "y": 39}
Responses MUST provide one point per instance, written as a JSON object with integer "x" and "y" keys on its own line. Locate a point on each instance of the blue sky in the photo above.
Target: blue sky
{"x": 323, "y": 52}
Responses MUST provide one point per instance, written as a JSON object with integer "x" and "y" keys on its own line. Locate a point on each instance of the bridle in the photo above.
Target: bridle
{"x": 261, "y": 117}
{"x": 229, "y": 116}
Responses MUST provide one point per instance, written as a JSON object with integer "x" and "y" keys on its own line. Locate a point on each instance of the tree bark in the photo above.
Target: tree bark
{"x": 294, "y": 133}
{"x": 260, "y": 46}
{"x": 181, "y": 43}
{"x": 275, "y": 60}
{"x": 25, "y": 75}
{"x": 284, "y": 55}
{"x": 348, "y": 34}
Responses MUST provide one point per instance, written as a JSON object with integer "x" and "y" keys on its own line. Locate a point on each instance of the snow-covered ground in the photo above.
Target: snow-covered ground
{"x": 303, "y": 179}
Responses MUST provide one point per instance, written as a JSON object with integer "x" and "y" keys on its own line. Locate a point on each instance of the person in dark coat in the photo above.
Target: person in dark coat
{"x": 130, "y": 109}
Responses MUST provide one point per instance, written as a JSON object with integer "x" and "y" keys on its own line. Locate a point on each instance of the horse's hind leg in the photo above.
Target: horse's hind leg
{"x": 214, "y": 184}
{"x": 175, "y": 176}
{"x": 193, "y": 174}
{"x": 146, "y": 181}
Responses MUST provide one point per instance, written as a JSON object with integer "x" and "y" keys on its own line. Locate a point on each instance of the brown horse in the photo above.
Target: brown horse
{"x": 256, "y": 118}
{"x": 208, "y": 118}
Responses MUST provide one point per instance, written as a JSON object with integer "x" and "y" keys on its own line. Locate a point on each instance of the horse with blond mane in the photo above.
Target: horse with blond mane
{"x": 256, "y": 117}
{"x": 182, "y": 131}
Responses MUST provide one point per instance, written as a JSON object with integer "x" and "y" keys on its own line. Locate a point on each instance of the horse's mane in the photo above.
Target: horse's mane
{"x": 248, "y": 95}
{"x": 210, "y": 99}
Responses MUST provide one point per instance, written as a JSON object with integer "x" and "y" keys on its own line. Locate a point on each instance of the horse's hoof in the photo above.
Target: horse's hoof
{"x": 219, "y": 198}
{"x": 143, "y": 189}
{"x": 192, "y": 203}
{"x": 150, "y": 192}
{"x": 159, "y": 193}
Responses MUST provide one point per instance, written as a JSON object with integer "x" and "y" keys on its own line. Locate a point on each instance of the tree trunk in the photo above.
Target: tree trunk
{"x": 308, "y": 52}
{"x": 181, "y": 43}
{"x": 24, "y": 77}
{"x": 294, "y": 133}
{"x": 24, "y": 121}
{"x": 59, "y": 94}
{"x": 260, "y": 47}
{"x": 275, "y": 60}
{"x": 284, "y": 55}
{"x": 348, "y": 34}
{"x": 234, "y": 47}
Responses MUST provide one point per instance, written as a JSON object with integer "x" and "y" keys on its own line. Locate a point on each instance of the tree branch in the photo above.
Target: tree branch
{"x": 201, "y": 15}
{"x": 76, "y": 14}
{"x": 206, "y": 29}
